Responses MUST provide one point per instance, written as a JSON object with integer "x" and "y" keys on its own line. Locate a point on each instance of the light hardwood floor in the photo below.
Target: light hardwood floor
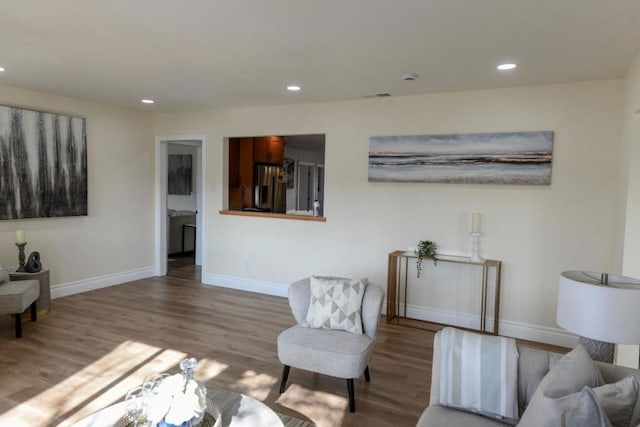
{"x": 95, "y": 346}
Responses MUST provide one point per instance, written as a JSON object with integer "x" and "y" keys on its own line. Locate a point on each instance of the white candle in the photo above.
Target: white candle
{"x": 20, "y": 237}
{"x": 475, "y": 222}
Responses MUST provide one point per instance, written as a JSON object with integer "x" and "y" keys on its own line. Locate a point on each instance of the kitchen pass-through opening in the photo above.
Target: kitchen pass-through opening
{"x": 277, "y": 174}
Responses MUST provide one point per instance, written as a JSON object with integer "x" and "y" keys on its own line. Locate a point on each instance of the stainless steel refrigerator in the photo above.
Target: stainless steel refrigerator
{"x": 270, "y": 192}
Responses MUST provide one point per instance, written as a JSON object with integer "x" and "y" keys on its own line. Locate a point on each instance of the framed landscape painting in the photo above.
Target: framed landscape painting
{"x": 43, "y": 164}
{"x": 473, "y": 158}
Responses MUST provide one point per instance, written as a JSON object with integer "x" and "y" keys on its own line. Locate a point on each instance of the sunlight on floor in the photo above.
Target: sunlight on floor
{"x": 98, "y": 385}
{"x": 255, "y": 385}
{"x": 208, "y": 369}
{"x": 106, "y": 381}
{"x": 323, "y": 409}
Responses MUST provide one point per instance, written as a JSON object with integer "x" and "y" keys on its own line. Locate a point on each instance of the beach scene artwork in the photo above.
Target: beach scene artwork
{"x": 475, "y": 158}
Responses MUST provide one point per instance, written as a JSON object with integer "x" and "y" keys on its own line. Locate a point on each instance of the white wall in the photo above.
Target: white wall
{"x": 114, "y": 243}
{"x": 631, "y": 264}
{"x": 538, "y": 231}
{"x": 628, "y": 355}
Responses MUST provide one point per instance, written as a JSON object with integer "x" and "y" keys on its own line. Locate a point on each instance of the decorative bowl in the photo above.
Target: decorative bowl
{"x": 212, "y": 418}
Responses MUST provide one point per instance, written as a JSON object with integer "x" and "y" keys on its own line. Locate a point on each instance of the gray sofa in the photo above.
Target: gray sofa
{"x": 533, "y": 365}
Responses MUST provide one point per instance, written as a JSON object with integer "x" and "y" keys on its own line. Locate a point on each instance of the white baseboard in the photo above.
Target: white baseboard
{"x": 509, "y": 328}
{"x": 242, "y": 284}
{"x": 85, "y": 285}
{"x": 545, "y": 334}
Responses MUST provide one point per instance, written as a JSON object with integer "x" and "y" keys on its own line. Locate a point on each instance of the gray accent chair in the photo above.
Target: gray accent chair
{"x": 16, "y": 297}
{"x": 533, "y": 365}
{"x": 330, "y": 352}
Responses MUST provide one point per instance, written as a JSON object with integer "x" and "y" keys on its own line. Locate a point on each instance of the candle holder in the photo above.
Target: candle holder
{"x": 475, "y": 247}
{"x": 21, "y": 256}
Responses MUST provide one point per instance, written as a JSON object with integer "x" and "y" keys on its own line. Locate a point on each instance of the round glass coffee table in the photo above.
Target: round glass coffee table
{"x": 238, "y": 410}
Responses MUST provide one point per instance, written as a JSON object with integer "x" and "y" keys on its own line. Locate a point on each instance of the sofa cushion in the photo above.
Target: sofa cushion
{"x": 336, "y": 303}
{"x": 441, "y": 416}
{"x": 558, "y": 391}
{"x": 337, "y": 353}
{"x": 533, "y": 365}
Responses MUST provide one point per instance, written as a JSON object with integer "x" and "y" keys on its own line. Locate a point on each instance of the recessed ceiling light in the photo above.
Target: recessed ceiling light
{"x": 504, "y": 67}
{"x": 293, "y": 88}
{"x": 147, "y": 101}
{"x": 1, "y": 69}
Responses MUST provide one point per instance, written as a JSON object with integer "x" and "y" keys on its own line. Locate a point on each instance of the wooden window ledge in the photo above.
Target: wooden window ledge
{"x": 274, "y": 215}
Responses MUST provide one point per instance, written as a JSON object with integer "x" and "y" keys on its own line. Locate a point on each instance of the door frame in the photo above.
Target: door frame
{"x": 161, "y": 187}
{"x": 311, "y": 183}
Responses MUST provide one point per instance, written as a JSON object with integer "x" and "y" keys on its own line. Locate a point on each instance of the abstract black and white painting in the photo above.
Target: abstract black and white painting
{"x": 475, "y": 158}
{"x": 43, "y": 164}
{"x": 179, "y": 174}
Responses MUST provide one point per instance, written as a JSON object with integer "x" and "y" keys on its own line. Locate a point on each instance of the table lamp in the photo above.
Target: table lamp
{"x": 602, "y": 309}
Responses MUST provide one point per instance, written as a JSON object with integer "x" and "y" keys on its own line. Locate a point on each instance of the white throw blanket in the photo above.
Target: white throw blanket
{"x": 479, "y": 373}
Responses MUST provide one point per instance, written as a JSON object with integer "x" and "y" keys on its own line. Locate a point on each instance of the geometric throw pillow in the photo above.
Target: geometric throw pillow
{"x": 336, "y": 303}
{"x": 560, "y": 390}
{"x": 4, "y": 275}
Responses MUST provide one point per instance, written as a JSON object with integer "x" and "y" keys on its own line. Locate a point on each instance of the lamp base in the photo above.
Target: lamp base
{"x": 598, "y": 350}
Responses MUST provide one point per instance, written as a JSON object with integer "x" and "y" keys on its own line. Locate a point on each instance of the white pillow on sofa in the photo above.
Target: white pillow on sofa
{"x": 561, "y": 391}
{"x": 621, "y": 401}
{"x": 336, "y": 303}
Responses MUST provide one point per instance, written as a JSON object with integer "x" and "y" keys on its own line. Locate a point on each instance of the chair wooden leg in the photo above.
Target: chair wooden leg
{"x": 34, "y": 312}
{"x": 19, "y": 325}
{"x": 367, "y": 377}
{"x": 352, "y": 399}
{"x": 285, "y": 375}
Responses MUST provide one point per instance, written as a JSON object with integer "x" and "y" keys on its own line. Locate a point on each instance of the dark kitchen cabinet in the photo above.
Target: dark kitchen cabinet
{"x": 240, "y": 173}
{"x": 269, "y": 150}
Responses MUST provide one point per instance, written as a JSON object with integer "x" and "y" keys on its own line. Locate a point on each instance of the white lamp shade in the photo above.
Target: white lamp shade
{"x": 604, "y": 313}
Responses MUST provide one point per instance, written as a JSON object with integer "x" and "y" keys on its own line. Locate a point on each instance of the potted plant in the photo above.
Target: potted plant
{"x": 426, "y": 249}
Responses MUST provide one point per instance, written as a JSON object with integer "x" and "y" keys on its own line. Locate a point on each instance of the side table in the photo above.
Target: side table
{"x": 193, "y": 227}
{"x": 44, "y": 300}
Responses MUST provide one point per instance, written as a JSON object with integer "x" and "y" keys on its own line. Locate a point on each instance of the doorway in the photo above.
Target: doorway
{"x": 310, "y": 187}
{"x": 305, "y": 186}
{"x": 170, "y": 218}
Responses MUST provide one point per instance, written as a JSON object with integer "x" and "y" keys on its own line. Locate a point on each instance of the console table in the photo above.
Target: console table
{"x": 397, "y": 278}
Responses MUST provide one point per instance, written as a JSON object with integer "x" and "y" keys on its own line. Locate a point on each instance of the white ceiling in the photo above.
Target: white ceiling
{"x": 201, "y": 54}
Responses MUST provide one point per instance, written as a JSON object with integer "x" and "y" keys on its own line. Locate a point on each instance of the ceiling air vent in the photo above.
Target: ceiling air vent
{"x": 378, "y": 95}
